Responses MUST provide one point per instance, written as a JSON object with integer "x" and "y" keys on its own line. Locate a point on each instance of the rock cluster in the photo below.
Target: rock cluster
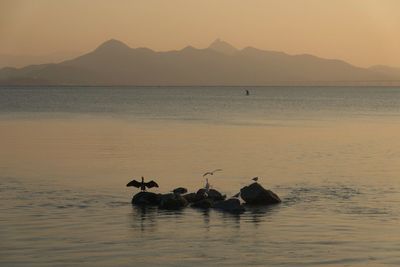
{"x": 254, "y": 194}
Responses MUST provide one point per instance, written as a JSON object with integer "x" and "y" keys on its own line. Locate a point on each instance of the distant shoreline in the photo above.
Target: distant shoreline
{"x": 386, "y": 84}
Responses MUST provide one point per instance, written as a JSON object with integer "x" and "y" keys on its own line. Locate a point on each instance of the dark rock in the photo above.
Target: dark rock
{"x": 180, "y": 190}
{"x": 236, "y": 195}
{"x": 191, "y": 197}
{"x": 203, "y": 204}
{"x": 172, "y": 201}
{"x": 146, "y": 198}
{"x": 232, "y": 205}
{"x": 211, "y": 194}
{"x": 257, "y": 195}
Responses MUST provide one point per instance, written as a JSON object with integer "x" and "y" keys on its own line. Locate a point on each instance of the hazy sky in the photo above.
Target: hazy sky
{"x": 363, "y": 32}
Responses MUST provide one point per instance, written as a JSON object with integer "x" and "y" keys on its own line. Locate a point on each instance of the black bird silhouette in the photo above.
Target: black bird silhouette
{"x": 142, "y": 185}
{"x": 211, "y": 173}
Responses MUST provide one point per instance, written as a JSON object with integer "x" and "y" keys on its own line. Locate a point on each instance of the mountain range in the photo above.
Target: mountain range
{"x": 22, "y": 60}
{"x": 115, "y": 63}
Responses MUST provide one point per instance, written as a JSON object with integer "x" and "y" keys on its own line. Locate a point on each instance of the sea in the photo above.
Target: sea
{"x": 332, "y": 154}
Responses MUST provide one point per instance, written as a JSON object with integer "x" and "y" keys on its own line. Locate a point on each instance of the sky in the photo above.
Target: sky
{"x": 362, "y": 32}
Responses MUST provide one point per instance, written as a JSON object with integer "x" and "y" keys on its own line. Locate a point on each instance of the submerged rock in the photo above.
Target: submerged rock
{"x": 203, "y": 204}
{"x": 172, "y": 201}
{"x": 211, "y": 194}
{"x": 232, "y": 205}
{"x": 257, "y": 195}
{"x": 146, "y": 198}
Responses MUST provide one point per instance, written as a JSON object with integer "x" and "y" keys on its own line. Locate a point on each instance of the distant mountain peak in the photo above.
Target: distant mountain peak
{"x": 112, "y": 44}
{"x": 222, "y": 47}
{"x": 188, "y": 48}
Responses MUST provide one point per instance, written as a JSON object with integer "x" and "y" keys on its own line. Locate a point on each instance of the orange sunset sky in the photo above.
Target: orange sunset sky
{"x": 362, "y": 32}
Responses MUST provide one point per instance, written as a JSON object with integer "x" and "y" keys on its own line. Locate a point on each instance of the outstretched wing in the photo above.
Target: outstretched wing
{"x": 151, "y": 184}
{"x": 134, "y": 183}
{"x": 217, "y": 170}
{"x": 207, "y": 173}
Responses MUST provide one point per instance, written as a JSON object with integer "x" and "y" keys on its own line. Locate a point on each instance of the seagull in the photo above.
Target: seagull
{"x": 255, "y": 179}
{"x": 211, "y": 173}
{"x": 142, "y": 185}
{"x": 207, "y": 187}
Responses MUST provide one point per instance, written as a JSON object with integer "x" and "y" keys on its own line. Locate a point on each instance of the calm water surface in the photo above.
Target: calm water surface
{"x": 331, "y": 153}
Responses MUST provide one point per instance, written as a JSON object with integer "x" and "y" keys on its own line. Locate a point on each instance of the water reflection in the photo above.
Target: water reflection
{"x": 206, "y": 218}
{"x": 231, "y": 219}
{"x": 144, "y": 218}
{"x": 259, "y": 214}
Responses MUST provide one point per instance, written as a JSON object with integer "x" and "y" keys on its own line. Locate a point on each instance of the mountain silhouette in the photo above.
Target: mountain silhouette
{"x": 390, "y": 71}
{"x": 223, "y": 47}
{"x": 115, "y": 63}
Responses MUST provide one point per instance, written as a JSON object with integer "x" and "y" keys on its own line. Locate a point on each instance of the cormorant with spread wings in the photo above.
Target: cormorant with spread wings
{"x": 142, "y": 185}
